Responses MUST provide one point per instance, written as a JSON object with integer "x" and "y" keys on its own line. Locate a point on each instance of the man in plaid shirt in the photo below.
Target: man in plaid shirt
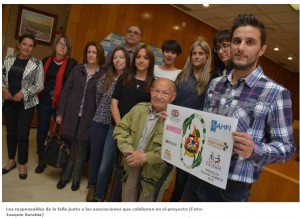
{"x": 264, "y": 111}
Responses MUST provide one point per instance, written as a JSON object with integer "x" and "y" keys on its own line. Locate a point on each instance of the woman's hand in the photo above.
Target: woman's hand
{"x": 6, "y": 94}
{"x": 59, "y": 119}
{"x": 18, "y": 97}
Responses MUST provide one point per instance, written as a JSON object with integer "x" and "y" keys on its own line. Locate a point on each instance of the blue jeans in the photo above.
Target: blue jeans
{"x": 106, "y": 167}
{"x": 197, "y": 190}
{"x": 98, "y": 133}
{"x": 44, "y": 113}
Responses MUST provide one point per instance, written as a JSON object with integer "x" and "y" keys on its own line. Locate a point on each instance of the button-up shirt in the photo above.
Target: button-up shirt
{"x": 150, "y": 124}
{"x": 264, "y": 111}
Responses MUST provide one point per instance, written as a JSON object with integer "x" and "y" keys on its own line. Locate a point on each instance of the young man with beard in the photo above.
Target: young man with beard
{"x": 264, "y": 111}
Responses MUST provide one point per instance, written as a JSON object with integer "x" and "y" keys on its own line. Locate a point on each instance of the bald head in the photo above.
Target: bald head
{"x": 163, "y": 92}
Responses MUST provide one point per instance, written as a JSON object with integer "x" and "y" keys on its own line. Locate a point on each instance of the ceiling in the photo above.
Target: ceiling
{"x": 281, "y": 22}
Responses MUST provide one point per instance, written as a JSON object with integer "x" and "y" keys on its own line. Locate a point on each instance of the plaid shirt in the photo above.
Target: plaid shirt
{"x": 264, "y": 111}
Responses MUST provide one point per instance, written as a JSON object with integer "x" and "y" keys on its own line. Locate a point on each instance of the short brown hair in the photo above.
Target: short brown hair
{"x": 68, "y": 44}
{"x": 27, "y": 36}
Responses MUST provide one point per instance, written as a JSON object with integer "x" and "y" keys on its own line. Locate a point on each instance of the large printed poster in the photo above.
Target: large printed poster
{"x": 198, "y": 142}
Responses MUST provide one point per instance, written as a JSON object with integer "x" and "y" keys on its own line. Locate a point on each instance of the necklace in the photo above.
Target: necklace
{"x": 138, "y": 85}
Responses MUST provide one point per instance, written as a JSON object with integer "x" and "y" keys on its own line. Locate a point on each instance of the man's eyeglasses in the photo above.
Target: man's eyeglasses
{"x": 224, "y": 47}
{"x": 133, "y": 32}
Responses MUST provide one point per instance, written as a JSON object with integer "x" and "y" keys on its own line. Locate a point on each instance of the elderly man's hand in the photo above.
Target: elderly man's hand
{"x": 135, "y": 158}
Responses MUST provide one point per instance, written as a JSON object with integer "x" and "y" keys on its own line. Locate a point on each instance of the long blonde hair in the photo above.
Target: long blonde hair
{"x": 203, "y": 79}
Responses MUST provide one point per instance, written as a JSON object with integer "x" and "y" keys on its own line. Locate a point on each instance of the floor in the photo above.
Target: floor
{"x": 42, "y": 187}
{"x": 37, "y": 187}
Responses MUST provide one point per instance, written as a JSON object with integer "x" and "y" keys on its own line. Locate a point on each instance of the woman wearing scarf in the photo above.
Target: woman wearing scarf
{"x": 57, "y": 68}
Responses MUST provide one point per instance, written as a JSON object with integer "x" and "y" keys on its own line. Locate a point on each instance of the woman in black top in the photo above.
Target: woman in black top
{"x": 132, "y": 88}
{"x": 57, "y": 68}
{"x": 22, "y": 80}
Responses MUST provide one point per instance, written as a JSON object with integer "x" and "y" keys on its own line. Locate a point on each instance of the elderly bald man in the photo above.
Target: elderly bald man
{"x": 139, "y": 138}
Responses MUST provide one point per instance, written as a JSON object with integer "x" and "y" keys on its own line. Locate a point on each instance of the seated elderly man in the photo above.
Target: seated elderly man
{"x": 139, "y": 138}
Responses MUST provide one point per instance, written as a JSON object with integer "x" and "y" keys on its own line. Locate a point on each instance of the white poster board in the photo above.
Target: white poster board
{"x": 199, "y": 143}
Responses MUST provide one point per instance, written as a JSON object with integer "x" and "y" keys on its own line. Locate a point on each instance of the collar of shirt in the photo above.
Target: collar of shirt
{"x": 85, "y": 67}
{"x": 251, "y": 79}
{"x": 131, "y": 50}
{"x": 151, "y": 115}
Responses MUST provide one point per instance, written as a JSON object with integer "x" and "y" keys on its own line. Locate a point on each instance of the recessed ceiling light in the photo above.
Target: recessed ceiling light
{"x": 206, "y": 5}
{"x": 290, "y": 58}
{"x": 276, "y": 49}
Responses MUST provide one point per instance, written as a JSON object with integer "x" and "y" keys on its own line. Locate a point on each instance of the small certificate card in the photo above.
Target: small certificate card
{"x": 198, "y": 142}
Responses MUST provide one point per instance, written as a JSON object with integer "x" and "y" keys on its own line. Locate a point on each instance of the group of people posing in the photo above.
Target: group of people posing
{"x": 114, "y": 106}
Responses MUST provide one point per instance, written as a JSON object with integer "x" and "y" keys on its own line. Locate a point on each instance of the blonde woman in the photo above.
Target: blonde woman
{"x": 191, "y": 84}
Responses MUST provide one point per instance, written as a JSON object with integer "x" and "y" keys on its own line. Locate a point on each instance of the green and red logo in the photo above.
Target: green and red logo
{"x": 193, "y": 140}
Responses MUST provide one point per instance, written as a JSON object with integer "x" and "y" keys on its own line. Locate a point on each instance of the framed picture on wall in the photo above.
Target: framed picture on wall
{"x": 41, "y": 24}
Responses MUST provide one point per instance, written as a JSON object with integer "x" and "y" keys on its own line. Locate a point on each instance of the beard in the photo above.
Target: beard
{"x": 245, "y": 66}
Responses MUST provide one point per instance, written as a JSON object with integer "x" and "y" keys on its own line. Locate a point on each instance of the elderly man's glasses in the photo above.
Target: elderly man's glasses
{"x": 223, "y": 47}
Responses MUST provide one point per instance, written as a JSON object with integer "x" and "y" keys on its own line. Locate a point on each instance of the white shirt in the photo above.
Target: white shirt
{"x": 159, "y": 73}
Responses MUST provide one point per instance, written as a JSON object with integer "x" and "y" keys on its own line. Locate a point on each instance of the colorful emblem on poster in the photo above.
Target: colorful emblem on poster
{"x": 193, "y": 140}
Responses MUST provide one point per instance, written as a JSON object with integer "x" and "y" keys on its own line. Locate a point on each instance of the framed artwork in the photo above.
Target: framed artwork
{"x": 38, "y": 23}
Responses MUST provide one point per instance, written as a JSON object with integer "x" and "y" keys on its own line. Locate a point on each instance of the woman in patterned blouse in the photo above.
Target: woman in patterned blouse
{"x": 101, "y": 124}
{"x": 22, "y": 80}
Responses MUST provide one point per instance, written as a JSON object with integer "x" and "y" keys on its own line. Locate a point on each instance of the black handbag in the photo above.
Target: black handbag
{"x": 56, "y": 149}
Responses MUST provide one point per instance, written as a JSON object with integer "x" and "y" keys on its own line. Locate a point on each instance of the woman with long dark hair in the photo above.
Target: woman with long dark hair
{"x": 131, "y": 88}
{"x": 102, "y": 149}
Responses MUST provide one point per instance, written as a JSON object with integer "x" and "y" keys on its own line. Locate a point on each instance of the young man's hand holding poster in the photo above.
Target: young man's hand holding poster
{"x": 198, "y": 142}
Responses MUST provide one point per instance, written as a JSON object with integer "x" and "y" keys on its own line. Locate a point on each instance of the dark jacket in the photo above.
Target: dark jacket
{"x": 70, "y": 101}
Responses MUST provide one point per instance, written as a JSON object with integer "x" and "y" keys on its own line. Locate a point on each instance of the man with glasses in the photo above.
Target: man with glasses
{"x": 132, "y": 40}
{"x": 264, "y": 111}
